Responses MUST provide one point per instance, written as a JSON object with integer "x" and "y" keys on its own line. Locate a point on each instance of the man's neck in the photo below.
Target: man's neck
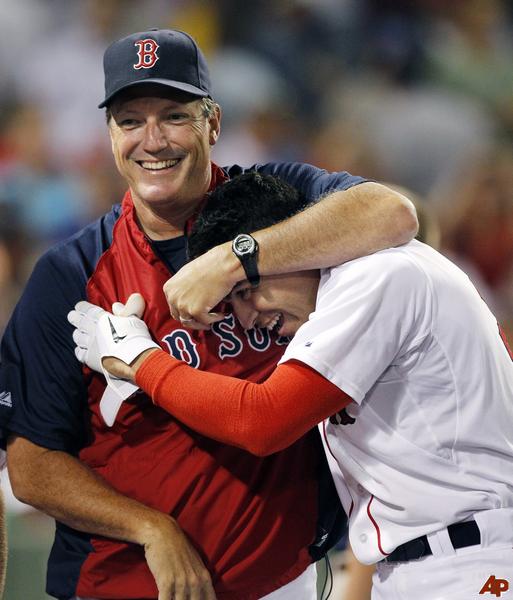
{"x": 166, "y": 222}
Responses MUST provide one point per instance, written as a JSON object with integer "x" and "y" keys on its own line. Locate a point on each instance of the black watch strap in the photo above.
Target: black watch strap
{"x": 245, "y": 248}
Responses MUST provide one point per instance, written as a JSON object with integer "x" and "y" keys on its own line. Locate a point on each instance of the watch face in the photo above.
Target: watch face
{"x": 244, "y": 244}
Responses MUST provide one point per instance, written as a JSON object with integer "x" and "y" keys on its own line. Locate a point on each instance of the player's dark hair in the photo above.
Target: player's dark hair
{"x": 242, "y": 205}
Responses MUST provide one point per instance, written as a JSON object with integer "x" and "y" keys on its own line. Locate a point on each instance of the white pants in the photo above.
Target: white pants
{"x": 459, "y": 574}
{"x": 303, "y": 587}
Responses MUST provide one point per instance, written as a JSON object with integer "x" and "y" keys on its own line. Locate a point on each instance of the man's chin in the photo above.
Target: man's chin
{"x": 157, "y": 195}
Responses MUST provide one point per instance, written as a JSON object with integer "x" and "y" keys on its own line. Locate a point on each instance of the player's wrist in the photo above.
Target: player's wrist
{"x": 138, "y": 362}
{"x": 233, "y": 269}
{"x": 152, "y": 526}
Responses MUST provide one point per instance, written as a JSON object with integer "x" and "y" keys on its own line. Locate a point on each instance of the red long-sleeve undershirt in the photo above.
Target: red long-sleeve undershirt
{"x": 259, "y": 417}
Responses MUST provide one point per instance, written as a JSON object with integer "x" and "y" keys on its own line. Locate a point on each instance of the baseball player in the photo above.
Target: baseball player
{"x": 145, "y": 507}
{"x": 404, "y": 367}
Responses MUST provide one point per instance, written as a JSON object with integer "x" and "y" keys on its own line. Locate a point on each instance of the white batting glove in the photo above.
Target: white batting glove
{"x": 99, "y": 333}
{"x": 134, "y": 306}
{"x": 111, "y": 400}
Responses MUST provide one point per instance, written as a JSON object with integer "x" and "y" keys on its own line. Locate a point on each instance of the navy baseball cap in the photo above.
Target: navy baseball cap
{"x": 164, "y": 56}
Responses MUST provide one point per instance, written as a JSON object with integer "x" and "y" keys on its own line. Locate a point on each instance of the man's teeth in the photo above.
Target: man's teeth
{"x": 272, "y": 324}
{"x": 162, "y": 164}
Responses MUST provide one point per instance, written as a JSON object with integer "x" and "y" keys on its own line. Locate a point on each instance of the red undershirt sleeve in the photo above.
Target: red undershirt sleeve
{"x": 259, "y": 417}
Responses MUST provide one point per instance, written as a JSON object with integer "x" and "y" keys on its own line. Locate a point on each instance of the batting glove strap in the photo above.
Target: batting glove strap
{"x": 113, "y": 398}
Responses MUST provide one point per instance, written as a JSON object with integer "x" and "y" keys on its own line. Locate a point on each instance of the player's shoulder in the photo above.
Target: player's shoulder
{"x": 404, "y": 265}
{"x": 60, "y": 275}
{"x": 273, "y": 168}
{"x": 410, "y": 258}
{"x": 82, "y": 250}
{"x": 310, "y": 180}
{"x": 292, "y": 172}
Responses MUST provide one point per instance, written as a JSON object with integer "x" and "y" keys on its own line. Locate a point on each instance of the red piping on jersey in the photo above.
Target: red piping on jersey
{"x": 326, "y": 440}
{"x": 378, "y": 532}
{"x": 331, "y": 452}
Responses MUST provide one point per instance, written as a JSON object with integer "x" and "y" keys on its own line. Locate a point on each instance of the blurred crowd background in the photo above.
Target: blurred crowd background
{"x": 418, "y": 94}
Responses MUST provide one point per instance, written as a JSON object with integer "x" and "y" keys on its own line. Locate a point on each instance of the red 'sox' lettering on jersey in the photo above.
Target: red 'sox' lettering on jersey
{"x": 147, "y": 53}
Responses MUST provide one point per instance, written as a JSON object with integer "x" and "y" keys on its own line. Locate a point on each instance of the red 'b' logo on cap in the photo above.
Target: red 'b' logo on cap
{"x": 147, "y": 53}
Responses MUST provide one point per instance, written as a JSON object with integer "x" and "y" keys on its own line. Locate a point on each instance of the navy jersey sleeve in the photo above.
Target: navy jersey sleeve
{"x": 41, "y": 381}
{"x": 310, "y": 181}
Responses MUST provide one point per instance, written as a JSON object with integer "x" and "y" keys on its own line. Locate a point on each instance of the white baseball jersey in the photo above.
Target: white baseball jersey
{"x": 407, "y": 336}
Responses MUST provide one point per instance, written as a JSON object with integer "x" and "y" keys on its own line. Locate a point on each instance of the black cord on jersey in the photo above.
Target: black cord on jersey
{"x": 328, "y": 576}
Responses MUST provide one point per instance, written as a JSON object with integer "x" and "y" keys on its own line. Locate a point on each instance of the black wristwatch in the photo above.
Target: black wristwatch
{"x": 245, "y": 248}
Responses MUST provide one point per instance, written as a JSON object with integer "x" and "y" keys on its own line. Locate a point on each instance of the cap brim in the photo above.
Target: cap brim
{"x": 177, "y": 85}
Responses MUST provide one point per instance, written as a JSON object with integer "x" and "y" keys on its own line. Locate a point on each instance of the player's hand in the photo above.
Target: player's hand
{"x": 120, "y": 369}
{"x": 99, "y": 334}
{"x": 176, "y": 566}
{"x": 200, "y": 285}
{"x": 134, "y": 306}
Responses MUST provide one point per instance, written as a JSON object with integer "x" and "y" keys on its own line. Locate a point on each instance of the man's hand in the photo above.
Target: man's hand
{"x": 67, "y": 490}
{"x": 178, "y": 570}
{"x": 200, "y": 285}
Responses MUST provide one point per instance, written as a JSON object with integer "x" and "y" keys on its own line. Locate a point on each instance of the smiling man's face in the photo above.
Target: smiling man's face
{"x": 161, "y": 141}
{"x": 281, "y": 302}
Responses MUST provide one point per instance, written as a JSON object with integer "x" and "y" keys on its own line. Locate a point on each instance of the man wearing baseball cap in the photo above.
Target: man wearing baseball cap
{"x": 145, "y": 507}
